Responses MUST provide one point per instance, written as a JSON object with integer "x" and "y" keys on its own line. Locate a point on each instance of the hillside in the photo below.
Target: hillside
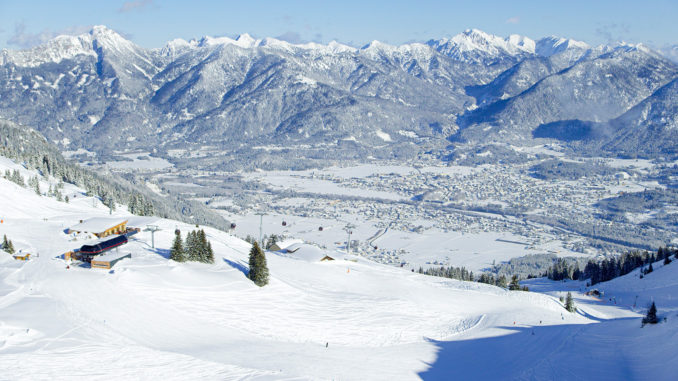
{"x": 27, "y": 146}
{"x": 150, "y": 317}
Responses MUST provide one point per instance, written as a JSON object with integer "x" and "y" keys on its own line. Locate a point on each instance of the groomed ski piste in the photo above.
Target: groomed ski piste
{"x": 350, "y": 319}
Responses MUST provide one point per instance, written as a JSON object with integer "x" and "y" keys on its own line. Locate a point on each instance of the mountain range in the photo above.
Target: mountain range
{"x": 254, "y": 98}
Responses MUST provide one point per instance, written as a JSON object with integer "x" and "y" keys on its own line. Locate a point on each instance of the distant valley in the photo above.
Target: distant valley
{"x": 538, "y": 147}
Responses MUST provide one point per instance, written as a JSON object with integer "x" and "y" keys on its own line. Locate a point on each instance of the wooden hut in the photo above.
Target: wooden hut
{"x": 22, "y": 256}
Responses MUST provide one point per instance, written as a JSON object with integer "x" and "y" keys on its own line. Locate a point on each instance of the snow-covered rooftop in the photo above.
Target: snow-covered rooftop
{"x": 97, "y": 224}
{"x": 111, "y": 256}
{"x": 286, "y": 243}
{"x": 309, "y": 253}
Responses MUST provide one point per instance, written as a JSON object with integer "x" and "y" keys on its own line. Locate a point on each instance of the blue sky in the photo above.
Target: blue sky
{"x": 150, "y": 23}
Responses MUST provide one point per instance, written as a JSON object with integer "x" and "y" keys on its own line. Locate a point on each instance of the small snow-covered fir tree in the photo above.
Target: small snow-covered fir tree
{"x": 651, "y": 317}
{"x": 35, "y": 183}
{"x": 17, "y": 178}
{"x": 515, "y": 283}
{"x": 7, "y": 245}
{"x": 192, "y": 247}
{"x": 206, "y": 253}
{"x": 209, "y": 258}
{"x": 258, "y": 269}
{"x": 501, "y": 282}
{"x": 177, "y": 252}
{"x": 569, "y": 303}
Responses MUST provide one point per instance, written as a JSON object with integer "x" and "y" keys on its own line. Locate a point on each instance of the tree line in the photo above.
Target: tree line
{"x": 610, "y": 268}
{"x": 461, "y": 273}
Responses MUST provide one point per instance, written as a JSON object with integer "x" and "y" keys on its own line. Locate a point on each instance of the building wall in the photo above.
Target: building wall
{"x": 117, "y": 229}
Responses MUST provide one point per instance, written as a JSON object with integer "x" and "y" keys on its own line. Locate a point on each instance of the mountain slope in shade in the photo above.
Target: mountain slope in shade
{"x": 650, "y": 128}
{"x": 594, "y": 90}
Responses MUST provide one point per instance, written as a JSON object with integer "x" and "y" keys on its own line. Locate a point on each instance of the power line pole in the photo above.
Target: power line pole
{"x": 152, "y": 229}
{"x": 261, "y": 224}
{"x": 348, "y": 243}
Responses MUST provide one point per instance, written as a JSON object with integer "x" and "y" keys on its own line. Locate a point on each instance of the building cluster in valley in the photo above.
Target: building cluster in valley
{"x": 487, "y": 198}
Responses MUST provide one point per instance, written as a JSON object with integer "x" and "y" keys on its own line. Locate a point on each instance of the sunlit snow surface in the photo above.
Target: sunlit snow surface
{"x": 151, "y": 318}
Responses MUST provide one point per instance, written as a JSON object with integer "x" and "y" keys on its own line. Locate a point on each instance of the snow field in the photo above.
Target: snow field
{"x": 150, "y": 317}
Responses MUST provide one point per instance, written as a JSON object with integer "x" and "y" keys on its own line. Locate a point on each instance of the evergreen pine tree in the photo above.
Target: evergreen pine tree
{"x": 210, "y": 253}
{"x": 651, "y": 317}
{"x": 36, "y": 185}
{"x": 7, "y": 245}
{"x": 258, "y": 269}
{"x": 192, "y": 247}
{"x": 17, "y": 178}
{"x": 501, "y": 282}
{"x": 515, "y": 285}
{"x": 569, "y": 303}
{"x": 667, "y": 258}
{"x": 203, "y": 247}
{"x": 177, "y": 252}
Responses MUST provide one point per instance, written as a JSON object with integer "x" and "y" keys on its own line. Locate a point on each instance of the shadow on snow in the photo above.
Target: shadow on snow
{"x": 238, "y": 266}
{"x": 597, "y": 351}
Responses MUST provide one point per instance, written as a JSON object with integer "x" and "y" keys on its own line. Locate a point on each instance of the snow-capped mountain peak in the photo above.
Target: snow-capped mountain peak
{"x": 523, "y": 42}
{"x": 56, "y": 50}
{"x": 103, "y": 33}
{"x": 476, "y": 46}
{"x": 67, "y": 47}
{"x": 338, "y": 47}
{"x": 246, "y": 41}
{"x": 175, "y": 47}
{"x": 551, "y": 45}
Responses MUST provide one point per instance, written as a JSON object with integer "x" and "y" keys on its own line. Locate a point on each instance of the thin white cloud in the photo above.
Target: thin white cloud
{"x": 24, "y": 39}
{"x": 295, "y": 38}
{"x": 613, "y": 32}
{"x": 670, "y": 52}
{"x": 513, "y": 20}
{"x": 291, "y": 37}
{"x": 129, "y": 6}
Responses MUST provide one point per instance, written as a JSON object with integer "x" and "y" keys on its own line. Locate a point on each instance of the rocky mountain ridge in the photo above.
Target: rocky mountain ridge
{"x": 101, "y": 92}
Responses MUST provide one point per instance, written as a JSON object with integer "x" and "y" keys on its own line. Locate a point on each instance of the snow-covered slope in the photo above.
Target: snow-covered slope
{"x": 151, "y": 317}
